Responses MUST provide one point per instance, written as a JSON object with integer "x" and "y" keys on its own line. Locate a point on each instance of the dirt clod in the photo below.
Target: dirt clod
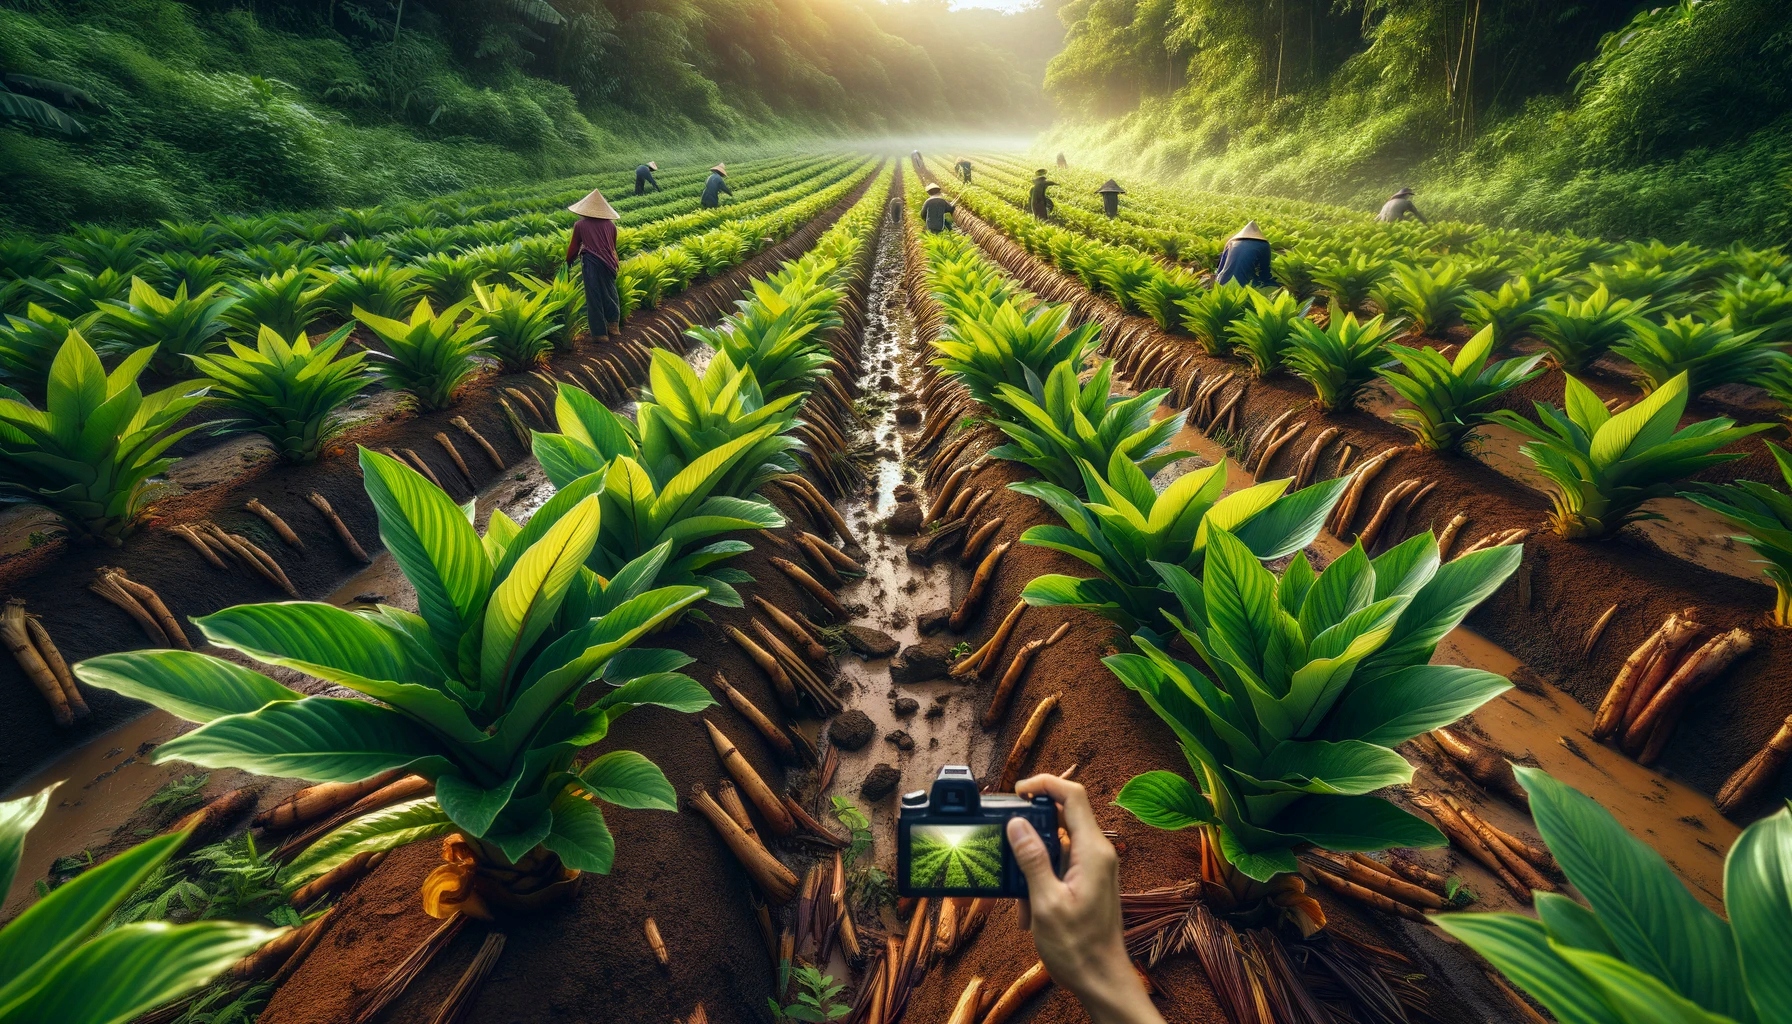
{"x": 920, "y": 662}
{"x": 901, "y": 738}
{"x": 932, "y": 622}
{"x": 870, "y": 643}
{"x": 905, "y": 521}
{"x": 851, "y": 730}
{"x": 906, "y": 706}
{"x": 908, "y": 415}
{"x": 880, "y": 782}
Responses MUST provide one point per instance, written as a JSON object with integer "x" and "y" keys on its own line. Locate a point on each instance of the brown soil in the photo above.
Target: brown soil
{"x": 53, "y": 579}
{"x": 1543, "y": 615}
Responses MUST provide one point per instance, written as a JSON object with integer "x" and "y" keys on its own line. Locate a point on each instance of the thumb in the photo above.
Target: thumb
{"x": 1030, "y": 853}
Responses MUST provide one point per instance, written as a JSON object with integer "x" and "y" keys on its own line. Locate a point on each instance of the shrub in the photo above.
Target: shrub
{"x": 173, "y": 269}
{"x": 29, "y": 343}
{"x": 288, "y": 393}
{"x": 1645, "y": 948}
{"x": 93, "y": 249}
{"x": 276, "y": 258}
{"x": 519, "y": 325}
{"x": 77, "y": 293}
{"x": 284, "y": 302}
{"x": 381, "y": 288}
{"x": 1765, "y": 516}
{"x": 175, "y": 326}
{"x": 1602, "y": 468}
{"x": 448, "y": 279}
{"x": 1161, "y": 297}
{"x": 1267, "y": 331}
{"x": 1063, "y": 423}
{"x": 1430, "y": 299}
{"x": 1757, "y": 304}
{"x": 1124, "y": 276}
{"x": 479, "y": 691}
{"x": 431, "y": 357}
{"x": 1445, "y": 392}
{"x": 1210, "y": 315}
{"x": 778, "y": 333}
{"x": 682, "y": 417}
{"x": 1349, "y": 280}
{"x": 1508, "y": 311}
{"x": 1708, "y": 354}
{"x": 1340, "y": 359}
{"x": 90, "y": 454}
{"x": 1006, "y": 345}
{"x": 1578, "y": 331}
{"x": 1310, "y": 683}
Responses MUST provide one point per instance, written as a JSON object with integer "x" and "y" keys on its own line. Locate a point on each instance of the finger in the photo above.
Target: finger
{"x": 1026, "y": 916}
{"x": 1073, "y": 799}
{"x": 1030, "y": 853}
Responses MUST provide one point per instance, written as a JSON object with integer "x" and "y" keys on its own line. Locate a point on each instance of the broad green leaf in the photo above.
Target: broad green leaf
{"x": 135, "y": 968}
{"x": 1571, "y": 924}
{"x": 579, "y": 834}
{"x": 385, "y": 829}
{"x": 527, "y": 600}
{"x": 1394, "y": 708}
{"x": 1638, "y": 997}
{"x": 433, "y": 543}
{"x": 1349, "y": 823}
{"x": 16, "y": 818}
{"x": 673, "y": 690}
{"x": 1164, "y": 800}
{"x": 1758, "y": 895}
{"x": 1346, "y": 767}
{"x": 193, "y": 686}
{"x": 628, "y": 779}
{"x": 1521, "y": 949}
{"x": 318, "y": 739}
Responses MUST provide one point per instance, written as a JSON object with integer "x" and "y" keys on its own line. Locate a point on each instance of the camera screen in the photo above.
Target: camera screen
{"x": 955, "y": 856}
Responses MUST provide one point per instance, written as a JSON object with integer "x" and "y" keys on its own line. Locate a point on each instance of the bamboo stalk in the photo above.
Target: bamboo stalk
{"x": 768, "y": 730}
{"x": 152, "y": 602}
{"x": 1023, "y": 744}
{"x": 771, "y": 808}
{"x": 729, "y": 797}
{"x": 769, "y": 665}
{"x": 1448, "y": 536}
{"x": 107, "y": 588}
{"x": 272, "y": 518}
{"x": 966, "y": 1010}
{"x": 1653, "y": 727}
{"x": 185, "y": 532}
{"x": 1366, "y": 896}
{"x": 460, "y": 422}
{"x": 32, "y": 663}
{"x": 1758, "y": 772}
{"x": 343, "y": 533}
{"x": 1676, "y": 629}
{"x": 1017, "y": 670}
{"x": 1521, "y": 869}
{"x": 973, "y": 545}
{"x": 980, "y": 581}
{"x": 454, "y": 457}
{"x": 821, "y": 594}
{"x": 794, "y": 630}
{"x": 655, "y": 943}
{"x": 773, "y": 878}
{"x": 52, "y": 656}
{"x": 314, "y": 802}
{"x": 1019, "y": 992}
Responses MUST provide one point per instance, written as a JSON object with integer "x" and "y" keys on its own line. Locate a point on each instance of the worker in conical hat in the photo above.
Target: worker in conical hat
{"x": 1246, "y": 259}
{"x": 644, "y": 177}
{"x": 1110, "y": 198}
{"x": 1399, "y": 207}
{"x": 593, "y": 245}
{"x": 937, "y": 210}
{"x": 963, "y": 166}
{"x": 715, "y": 186}
{"x": 1038, "y": 203}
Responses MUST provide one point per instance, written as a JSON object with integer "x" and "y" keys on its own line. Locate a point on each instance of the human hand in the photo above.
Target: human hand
{"x": 1075, "y": 920}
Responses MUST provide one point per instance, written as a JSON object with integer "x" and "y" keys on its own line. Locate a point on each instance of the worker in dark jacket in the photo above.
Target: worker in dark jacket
{"x": 1037, "y": 201}
{"x": 715, "y": 186}
{"x": 964, "y": 170}
{"x": 644, "y": 178}
{"x": 898, "y": 208}
{"x": 937, "y": 210}
{"x": 1110, "y": 198}
{"x": 1246, "y": 259}
{"x": 1398, "y": 207}
{"x": 593, "y": 245}
{"x": 1063, "y": 164}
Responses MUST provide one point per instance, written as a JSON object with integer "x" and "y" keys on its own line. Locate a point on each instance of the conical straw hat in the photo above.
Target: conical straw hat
{"x": 933, "y": 188}
{"x": 652, "y": 166}
{"x": 1111, "y": 186}
{"x": 1250, "y": 230}
{"x": 595, "y": 205}
{"x": 721, "y": 169}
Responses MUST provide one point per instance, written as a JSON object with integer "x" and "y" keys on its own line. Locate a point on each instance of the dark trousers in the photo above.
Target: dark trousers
{"x": 640, "y": 187}
{"x": 603, "y": 305}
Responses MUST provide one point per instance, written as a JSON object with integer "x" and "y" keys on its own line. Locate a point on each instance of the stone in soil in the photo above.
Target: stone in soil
{"x": 920, "y": 662}
{"x": 851, "y": 730}
{"x": 936, "y": 711}
{"x": 901, "y": 738}
{"x": 870, "y": 643}
{"x": 933, "y": 621}
{"x": 880, "y": 782}
{"x": 905, "y": 520}
{"x": 903, "y": 492}
{"x": 370, "y": 598}
{"x": 906, "y": 706}
{"x": 908, "y": 415}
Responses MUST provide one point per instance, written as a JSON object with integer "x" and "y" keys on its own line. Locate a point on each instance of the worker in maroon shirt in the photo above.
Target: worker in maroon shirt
{"x": 593, "y": 244}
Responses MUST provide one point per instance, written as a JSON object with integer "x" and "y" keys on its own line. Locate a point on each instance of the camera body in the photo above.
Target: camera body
{"x": 952, "y": 840}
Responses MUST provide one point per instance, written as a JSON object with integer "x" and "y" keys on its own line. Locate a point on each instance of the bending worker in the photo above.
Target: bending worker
{"x": 1245, "y": 259}
{"x": 1037, "y": 201}
{"x": 593, "y": 244}
{"x": 715, "y": 186}
{"x": 1398, "y": 207}
{"x": 898, "y": 207}
{"x": 937, "y": 210}
{"x": 964, "y": 170}
{"x": 1110, "y": 198}
{"x": 1063, "y": 164}
{"x": 644, "y": 177}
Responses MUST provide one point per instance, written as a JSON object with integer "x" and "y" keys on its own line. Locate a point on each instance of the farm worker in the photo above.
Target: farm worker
{"x": 936, "y": 210}
{"x": 898, "y": 207}
{"x": 715, "y": 186}
{"x": 644, "y": 177}
{"x": 1398, "y": 207}
{"x": 1037, "y": 201}
{"x": 1075, "y": 920}
{"x": 593, "y": 244}
{"x": 1110, "y": 198}
{"x": 1063, "y": 164}
{"x": 1246, "y": 259}
{"x": 964, "y": 170}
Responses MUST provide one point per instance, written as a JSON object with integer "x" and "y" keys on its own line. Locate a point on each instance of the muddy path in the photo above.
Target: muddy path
{"x": 53, "y": 578}
{"x": 1544, "y": 616}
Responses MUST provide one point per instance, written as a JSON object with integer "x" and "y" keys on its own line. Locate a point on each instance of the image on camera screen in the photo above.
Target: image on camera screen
{"x": 955, "y": 856}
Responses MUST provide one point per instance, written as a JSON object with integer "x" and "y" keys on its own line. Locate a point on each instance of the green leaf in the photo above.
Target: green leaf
{"x": 1354, "y": 823}
{"x": 1656, "y": 923}
{"x": 1164, "y": 800}
{"x": 319, "y": 739}
{"x": 529, "y": 597}
{"x": 1571, "y": 924}
{"x": 1638, "y": 997}
{"x": 16, "y": 819}
{"x": 384, "y": 829}
{"x": 672, "y": 690}
{"x": 579, "y": 834}
{"x": 1521, "y": 949}
{"x": 1346, "y": 767}
{"x": 1758, "y": 895}
{"x": 135, "y": 968}
{"x": 433, "y": 543}
{"x": 628, "y": 779}
{"x": 1396, "y": 707}
{"x": 193, "y": 686}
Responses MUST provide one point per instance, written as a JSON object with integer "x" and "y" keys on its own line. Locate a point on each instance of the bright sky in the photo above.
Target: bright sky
{"x": 999, "y": 5}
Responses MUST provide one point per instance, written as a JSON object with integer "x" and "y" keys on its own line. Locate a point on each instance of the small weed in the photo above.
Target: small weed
{"x": 1457, "y": 893}
{"x": 960, "y": 649}
{"x": 227, "y": 1004}
{"x": 815, "y": 1002}
{"x": 847, "y": 813}
{"x": 230, "y": 879}
{"x": 178, "y": 796}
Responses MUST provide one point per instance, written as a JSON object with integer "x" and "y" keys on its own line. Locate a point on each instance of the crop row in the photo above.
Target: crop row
{"x": 89, "y": 452}
{"x": 521, "y": 656}
{"x": 1301, "y": 685}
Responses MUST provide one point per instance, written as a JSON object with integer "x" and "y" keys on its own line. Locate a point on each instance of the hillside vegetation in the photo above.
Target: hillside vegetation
{"x": 1597, "y": 116}
{"x": 206, "y": 106}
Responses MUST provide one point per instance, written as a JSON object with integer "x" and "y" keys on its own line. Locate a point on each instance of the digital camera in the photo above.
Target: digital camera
{"x": 953, "y": 841}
